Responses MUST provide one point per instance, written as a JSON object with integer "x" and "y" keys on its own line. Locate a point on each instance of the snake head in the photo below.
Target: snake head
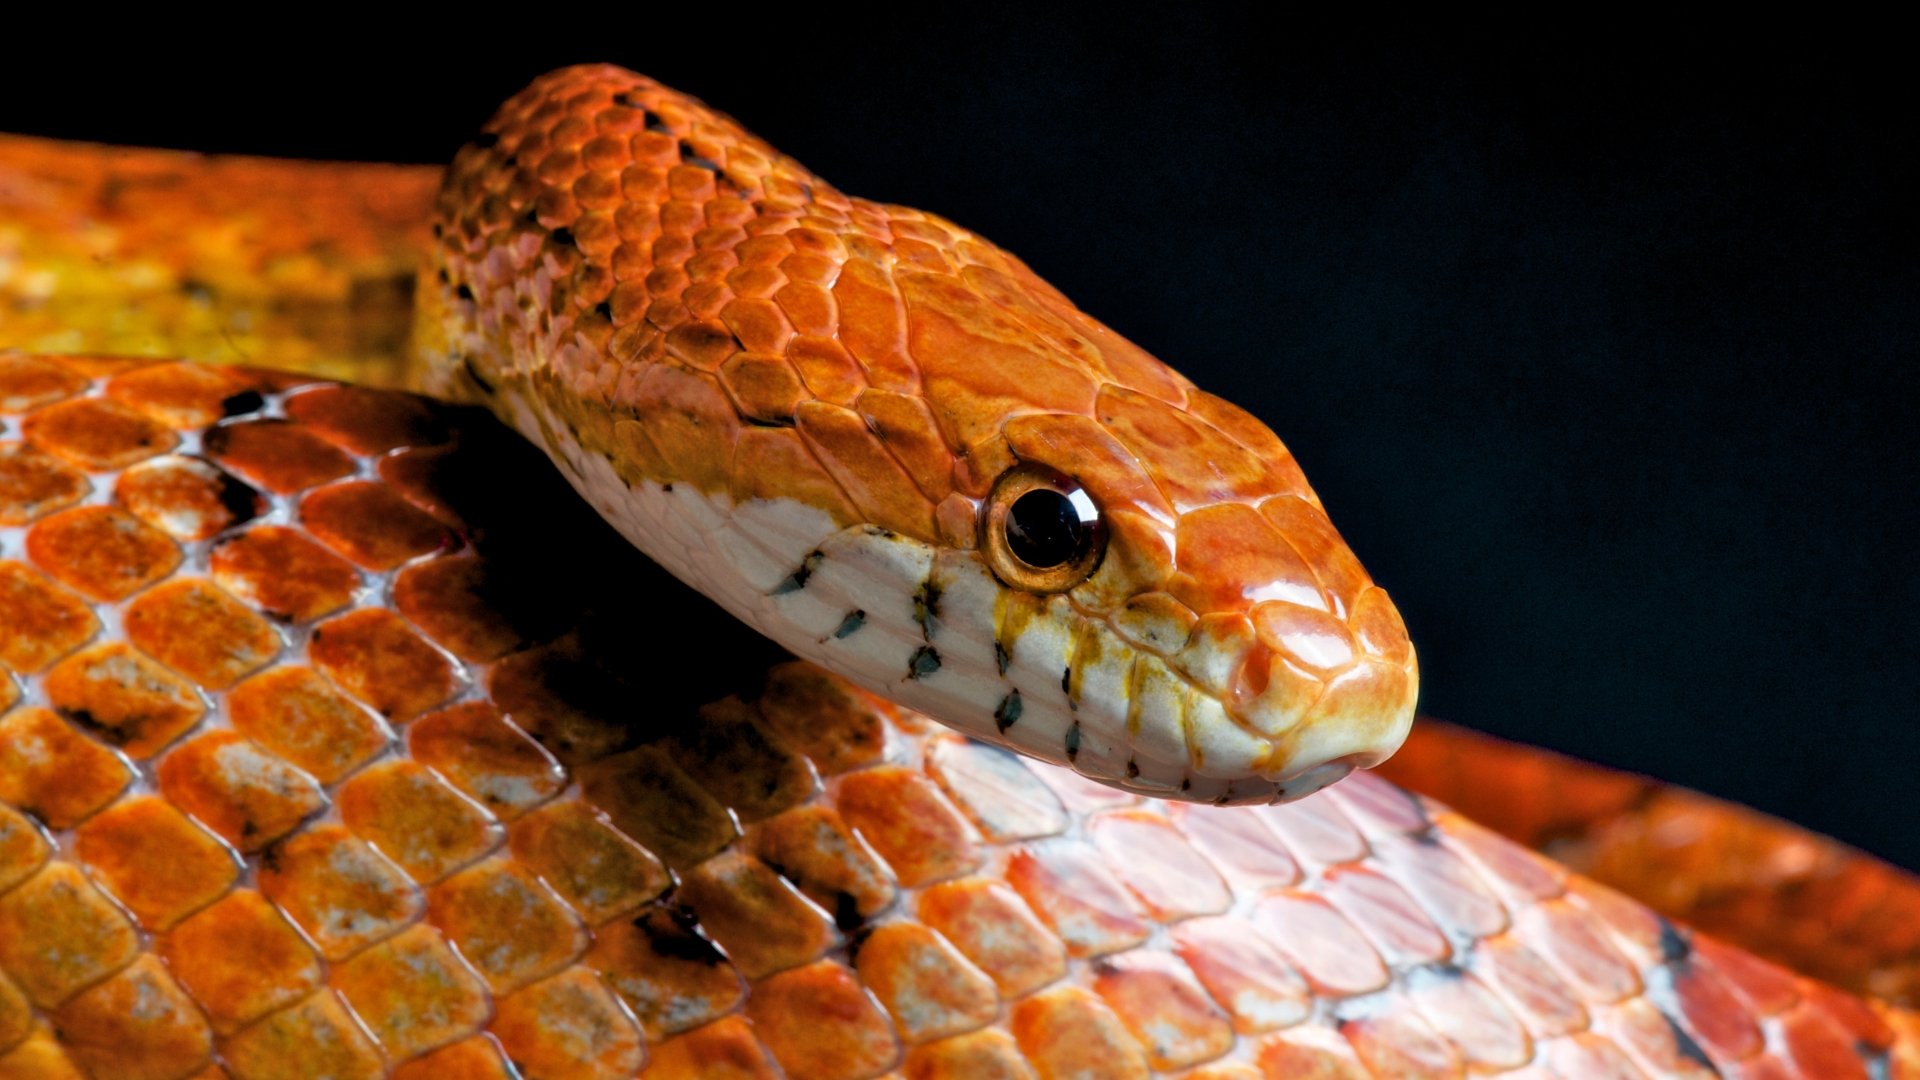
{"x": 894, "y": 449}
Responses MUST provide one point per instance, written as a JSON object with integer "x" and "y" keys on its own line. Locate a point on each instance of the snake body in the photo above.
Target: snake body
{"x": 324, "y": 756}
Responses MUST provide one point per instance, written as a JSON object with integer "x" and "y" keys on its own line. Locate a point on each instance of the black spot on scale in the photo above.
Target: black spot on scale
{"x": 1133, "y": 769}
{"x": 604, "y": 309}
{"x": 1688, "y": 1048}
{"x": 1073, "y": 741}
{"x": 846, "y": 913}
{"x": 563, "y": 236}
{"x": 244, "y": 402}
{"x": 924, "y": 662}
{"x": 654, "y": 123}
{"x": 464, "y": 293}
{"x": 926, "y": 607}
{"x": 1675, "y": 947}
{"x": 692, "y": 157}
{"x": 1066, "y": 687}
{"x": 1001, "y": 657}
{"x": 851, "y": 624}
{"x": 797, "y": 580}
{"x": 1008, "y": 712}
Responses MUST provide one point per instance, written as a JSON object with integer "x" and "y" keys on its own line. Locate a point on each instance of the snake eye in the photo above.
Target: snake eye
{"x": 1042, "y": 532}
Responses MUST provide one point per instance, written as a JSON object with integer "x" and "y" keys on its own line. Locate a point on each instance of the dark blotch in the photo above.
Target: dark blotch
{"x": 1688, "y": 1048}
{"x": 797, "y": 580}
{"x": 926, "y": 607}
{"x": 563, "y": 236}
{"x": 925, "y": 662}
{"x": 1073, "y": 741}
{"x": 1008, "y": 714}
{"x": 246, "y": 401}
{"x": 604, "y": 309}
{"x": 464, "y": 293}
{"x": 851, "y": 624}
{"x": 846, "y": 912}
{"x": 1674, "y": 946}
{"x": 1001, "y": 657}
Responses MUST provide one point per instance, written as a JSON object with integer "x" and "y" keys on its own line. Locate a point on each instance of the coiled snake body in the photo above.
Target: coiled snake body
{"x": 330, "y": 746}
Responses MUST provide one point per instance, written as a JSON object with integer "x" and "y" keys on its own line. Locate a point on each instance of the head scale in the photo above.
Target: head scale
{"x": 889, "y": 445}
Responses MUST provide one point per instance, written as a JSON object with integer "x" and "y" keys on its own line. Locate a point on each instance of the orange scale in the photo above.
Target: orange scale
{"x": 1239, "y": 845}
{"x": 340, "y": 891}
{"x": 1529, "y": 986}
{"x": 737, "y": 761}
{"x": 40, "y": 622}
{"x": 595, "y": 867}
{"x": 375, "y": 656}
{"x": 102, "y": 552}
{"x": 1854, "y": 1015}
{"x": 137, "y": 1025}
{"x": 186, "y": 498}
{"x": 241, "y": 959}
{"x": 994, "y": 928}
{"x": 860, "y": 463}
{"x": 1308, "y": 637}
{"x": 232, "y": 786}
{"x": 1651, "y": 1039}
{"x": 155, "y": 861}
{"x": 724, "y": 1050}
{"x": 1321, "y": 943}
{"x": 200, "y": 631}
{"x": 97, "y": 434}
{"x": 1070, "y": 1032}
{"x": 1766, "y": 988}
{"x": 1315, "y": 829}
{"x": 1074, "y": 891}
{"x": 1817, "y": 1046}
{"x": 1079, "y": 446}
{"x": 672, "y": 978}
{"x": 28, "y": 382}
{"x": 123, "y": 698}
{"x": 829, "y": 370}
{"x": 909, "y": 823}
{"x": 1386, "y": 915}
{"x": 1470, "y": 1017}
{"x": 22, "y": 847}
{"x": 929, "y": 989}
{"x": 474, "y": 1058}
{"x": 1502, "y": 863}
{"x": 996, "y": 789}
{"x": 284, "y": 574}
{"x": 808, "y": 306}
{"x": 183, "y": 395}
{"x": 416, "y": 819}
{"x": 568, "y": 1028}
{"x": 506, "y": 923}
{"x": 365, "y": 421}
{"x": 1198, "y": 465}
{"x": 277, "y": 455}
{"x": 1309, "y": 532}
{"x": 651, "y": 799}
{"x": 317, "y": 1037}
{"x": 906, "y": 427}
{"x": 762, "y": 922}
{"x": 1398, "y": 1043}
{"x": 819, "y": 1022}
{"x": 1713, "y": 1014}
{"x": 813, "y": 847}
{"x": 58, "y": 934}
{"x": 474, "y": 611}
{"x": 757, "y": 323}
{"x": 1313, "y": 1052}
{"x": 1578, "y": 949}
{"x": 987, "y": 1053}
{"x": 1229, "y": 559}
{"x": 490, "y": 760}
{"x": 412, "y": 993}
{"x": 298, "y": 714}
{"x": 52, "y": 771}
{"x": 33, "y": 484}
{"x": 1157, "y": 998}
{"x": 765, "y": 387}
{"x": 372, "y": 524}
{"x": 1244, "y": 973}
{"x": 1172, "y": 879}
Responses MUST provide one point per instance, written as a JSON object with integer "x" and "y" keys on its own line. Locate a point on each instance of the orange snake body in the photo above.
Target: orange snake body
{"x": 302, "y": 774}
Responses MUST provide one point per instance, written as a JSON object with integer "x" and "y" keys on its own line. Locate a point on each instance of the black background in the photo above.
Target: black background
{"x": 1599, "y": 343}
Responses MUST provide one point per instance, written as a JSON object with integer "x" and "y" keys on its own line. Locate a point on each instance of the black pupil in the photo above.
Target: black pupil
{"x": 1044, "y": 529}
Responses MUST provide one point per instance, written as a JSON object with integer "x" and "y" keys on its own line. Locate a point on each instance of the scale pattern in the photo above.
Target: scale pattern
{"x": 294, "y": 782}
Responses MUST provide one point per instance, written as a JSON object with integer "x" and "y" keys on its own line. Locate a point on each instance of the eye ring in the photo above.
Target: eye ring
{"x": 1041, "y": 530}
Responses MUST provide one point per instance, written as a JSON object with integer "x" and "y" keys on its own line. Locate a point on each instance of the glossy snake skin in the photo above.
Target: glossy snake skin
{"x": 334, "y": 742}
